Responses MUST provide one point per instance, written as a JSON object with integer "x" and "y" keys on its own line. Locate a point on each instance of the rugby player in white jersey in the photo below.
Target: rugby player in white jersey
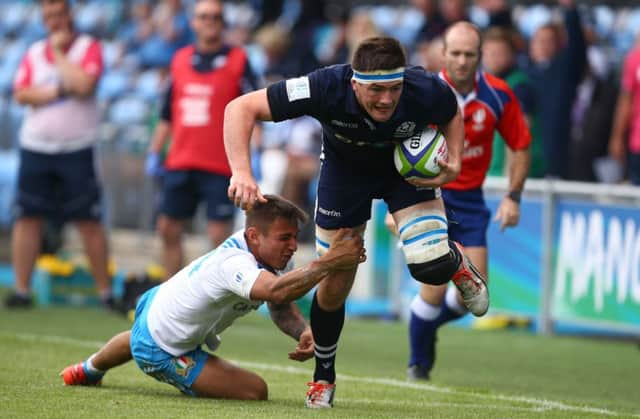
{"x": 174, "y": 319}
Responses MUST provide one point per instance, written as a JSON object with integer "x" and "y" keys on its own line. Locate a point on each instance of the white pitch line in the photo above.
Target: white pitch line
{"x": 423, "y": 404}
{"x": 542, "y": 404}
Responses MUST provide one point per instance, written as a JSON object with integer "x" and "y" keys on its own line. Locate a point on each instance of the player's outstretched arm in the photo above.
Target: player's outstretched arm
{"x": 240, "y": 116}
{"x": 346, "y": 252}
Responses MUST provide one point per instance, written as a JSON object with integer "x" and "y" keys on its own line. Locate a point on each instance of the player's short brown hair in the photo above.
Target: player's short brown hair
{"x": 379, "y": 53}
{"x": 263, "y": 214}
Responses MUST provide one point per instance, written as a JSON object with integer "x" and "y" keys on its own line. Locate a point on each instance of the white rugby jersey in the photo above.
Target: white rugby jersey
{"x": 69, "y": 123}
{"x": 205, "y": 297}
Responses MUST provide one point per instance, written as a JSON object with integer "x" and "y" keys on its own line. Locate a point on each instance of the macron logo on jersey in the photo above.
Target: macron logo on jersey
{"x": 298, "y": 89}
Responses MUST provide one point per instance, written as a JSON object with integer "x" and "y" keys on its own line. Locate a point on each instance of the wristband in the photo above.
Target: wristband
{"x": 515, "y": 196}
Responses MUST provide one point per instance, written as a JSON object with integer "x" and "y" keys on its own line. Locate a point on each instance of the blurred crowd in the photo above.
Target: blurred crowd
{"x": 571, "y": 66}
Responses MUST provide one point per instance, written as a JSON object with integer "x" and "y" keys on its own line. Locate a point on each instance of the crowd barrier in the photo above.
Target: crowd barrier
{"x": 573, "y": 263}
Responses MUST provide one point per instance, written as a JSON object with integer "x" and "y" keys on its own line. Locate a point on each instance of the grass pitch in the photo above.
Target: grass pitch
{"x": 479, "y": 374}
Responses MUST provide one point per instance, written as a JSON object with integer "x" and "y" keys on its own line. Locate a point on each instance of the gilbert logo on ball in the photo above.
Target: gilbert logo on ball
{"x": 418, "y": 156}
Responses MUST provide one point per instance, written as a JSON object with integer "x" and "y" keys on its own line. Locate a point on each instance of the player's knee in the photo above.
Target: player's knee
{"x": 426, "y": 248}
{"x": 435, "y": 272}
{"x": 258, "y": 391}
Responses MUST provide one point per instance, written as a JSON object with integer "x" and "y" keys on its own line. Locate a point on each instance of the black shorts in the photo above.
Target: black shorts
{"x": 60, "y": 186}
{"x": 183, "y": 190}
{"x": 345, "y": 193}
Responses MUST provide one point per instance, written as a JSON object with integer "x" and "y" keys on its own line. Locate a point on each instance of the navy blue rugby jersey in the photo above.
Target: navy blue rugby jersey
{"x": 350, "y": 136}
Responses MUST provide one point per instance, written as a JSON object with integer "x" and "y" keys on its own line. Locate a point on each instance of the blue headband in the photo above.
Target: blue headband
{"x": 378, "y": 76}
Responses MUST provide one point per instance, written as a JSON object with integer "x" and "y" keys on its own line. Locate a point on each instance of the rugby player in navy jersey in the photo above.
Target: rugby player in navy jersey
{"x": 364, "y": 108}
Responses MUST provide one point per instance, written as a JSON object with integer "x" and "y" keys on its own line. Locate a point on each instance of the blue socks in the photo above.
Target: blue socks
{"x": 423, "y": 326}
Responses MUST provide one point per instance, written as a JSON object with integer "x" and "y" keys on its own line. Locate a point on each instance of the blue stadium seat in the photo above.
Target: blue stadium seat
{"x": 6, "y": 79}
{"x": 13, "y": 16}
{"x": 15, "y": 116}
{"x": 401, "y": 23}
{"x": 33, "y": 28}
{"x": 10, "y": 57}
{"x": 112, "y": 53}
{"x": 8, "y": 175}
{"x": 633, "y": 22}
{"x": 128, "y": 110}
{"x": 532, "y": 18}
{"x": 112, "y": 85}
{"x": 89, "y": 18}
{"x": 604, "y": 19}
{"x": 13, "y": 53}
{"x": 148, "y": 86}
{"x": 4, "y": 123}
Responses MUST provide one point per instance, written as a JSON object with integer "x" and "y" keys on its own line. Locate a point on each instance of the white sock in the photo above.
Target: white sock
{"x": 424, "y": 310}
{"x": 90, "y": 367}
{"x": 451, "y": 300}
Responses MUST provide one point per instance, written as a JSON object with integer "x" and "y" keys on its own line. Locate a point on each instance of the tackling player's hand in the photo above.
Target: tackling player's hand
{"x": 508, "y": 213}
{"x": 304, "y": 348}
{"x": 244, "y": 192}
{"x": 449, "y": 170}
{"x": 346, "y": 250}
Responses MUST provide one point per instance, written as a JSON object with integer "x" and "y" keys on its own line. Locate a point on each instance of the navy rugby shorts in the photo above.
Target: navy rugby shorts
{"x": 345, "y": 193}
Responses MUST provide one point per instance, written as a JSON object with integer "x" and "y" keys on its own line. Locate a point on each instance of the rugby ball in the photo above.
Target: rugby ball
{"x": 418, "y": 156}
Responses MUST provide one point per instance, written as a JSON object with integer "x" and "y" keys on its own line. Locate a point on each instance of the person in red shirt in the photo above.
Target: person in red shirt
{"x": 488, "y": 105}
{"x": 204, "y": 78}
{"x": 57, "y": 181}
{"x": 627, "y": 117}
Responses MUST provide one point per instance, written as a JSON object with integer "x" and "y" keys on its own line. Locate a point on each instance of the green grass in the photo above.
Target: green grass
{"x": 479, "y": 374}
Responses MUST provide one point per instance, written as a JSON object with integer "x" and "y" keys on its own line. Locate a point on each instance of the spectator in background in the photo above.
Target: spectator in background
{"x": 555, "y": 72}
{"x": 170, "y": 32}
{"x": 438, "y": 14}
{"x": 56, "y": 180}
{"x": 592, "y": 118}
{"x": 360, "y": 26}
{"x": 499, "y": 59}
{"x": 204, "y": 78}
{"x": 498, "y": 11}
{"x": 627, "y": 117}
{"x": 430, "y": 55}
{"x": 140, "y": 26}
{"x": 273, "y": 42}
